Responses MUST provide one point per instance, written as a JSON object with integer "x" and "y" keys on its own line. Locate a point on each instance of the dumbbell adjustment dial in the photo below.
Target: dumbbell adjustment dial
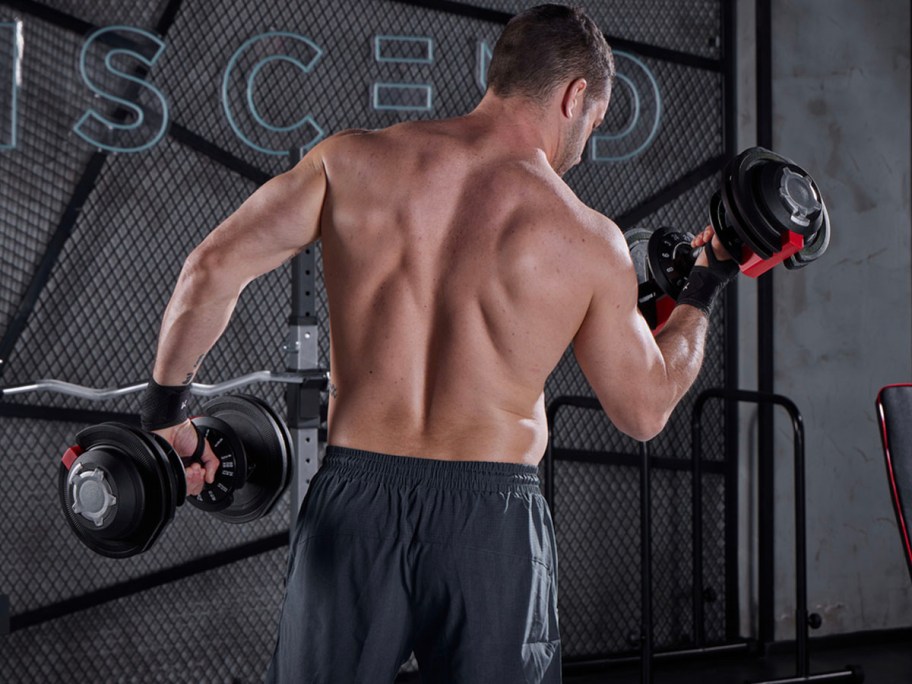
{"x": 110, "y": 490}
{"x": 102, "y": 495}
{"x": 800, "y": 199}
{"x": 92, "y": 492}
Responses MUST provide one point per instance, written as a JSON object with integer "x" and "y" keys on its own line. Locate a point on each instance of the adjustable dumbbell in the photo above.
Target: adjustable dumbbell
{"x": 119, "y": 486}
{"x": 767, "y": 211}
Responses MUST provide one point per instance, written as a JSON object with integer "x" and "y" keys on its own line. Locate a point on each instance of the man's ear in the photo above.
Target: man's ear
{"x": 574, "y": 94}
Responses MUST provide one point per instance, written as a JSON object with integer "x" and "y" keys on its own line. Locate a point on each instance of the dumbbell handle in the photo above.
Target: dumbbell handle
{"x": 197, "y": 455}
{"x": 316, "y": 376}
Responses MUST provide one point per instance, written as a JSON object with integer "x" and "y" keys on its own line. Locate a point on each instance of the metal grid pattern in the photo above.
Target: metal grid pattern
{"x": 165, "y": 634}
{"x": 46, "y": 164}
{"x": 691, "y": 27}
{"x": 598, "y": 528}
{"x": 95, "y": 320}
{"x": 143, "y": 15}
{"x": 116, "y": 273}
{"x": 690, "y": 133}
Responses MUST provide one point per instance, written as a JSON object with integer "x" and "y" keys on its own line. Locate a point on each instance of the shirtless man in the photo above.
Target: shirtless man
{"x": 458, "y": 268}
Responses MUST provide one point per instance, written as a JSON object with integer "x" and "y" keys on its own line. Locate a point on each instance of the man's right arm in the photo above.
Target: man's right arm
{"x": 638, "y": 378}
{"x": 271, "y": 226}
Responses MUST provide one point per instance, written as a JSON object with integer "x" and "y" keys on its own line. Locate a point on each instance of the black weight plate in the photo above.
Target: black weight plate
{"x": 174, "y": 466}
{"x": 154, "y": 515}
{"x": 727, "y": 235}
{"x": 268, "y": 456}
{"x": 160, "y": 498}
{"x": 757, "y": 170}
{"x": 171, "y": 486}
{"x": 736, "y": 221}
{"x": 285, "y": 434}
{"x": 740, "y": 195}
{"x": 768, "y": 205}
{"x": 648, "y": 291}
{"x": 670, "y": 259}
{"x": 232, "y": 472}
{"x": 266, "y": 444}
{"x": 637, "y": 242}
{"x": 158, "y": 508}
{"x": 768, "y": 200}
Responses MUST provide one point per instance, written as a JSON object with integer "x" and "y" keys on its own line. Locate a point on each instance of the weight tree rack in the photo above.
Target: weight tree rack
{"x": 644, "y": 639}
{"x": 803, "y": 619}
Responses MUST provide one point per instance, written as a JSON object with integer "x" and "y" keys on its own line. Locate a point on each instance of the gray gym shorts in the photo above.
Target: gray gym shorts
{"x": 454, "y": 561}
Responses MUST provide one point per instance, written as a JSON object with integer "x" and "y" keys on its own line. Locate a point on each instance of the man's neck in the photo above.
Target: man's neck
{"x": 518, "y": 122}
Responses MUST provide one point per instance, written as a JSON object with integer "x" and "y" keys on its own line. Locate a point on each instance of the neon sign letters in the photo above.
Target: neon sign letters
{"x": 147, "y": 122}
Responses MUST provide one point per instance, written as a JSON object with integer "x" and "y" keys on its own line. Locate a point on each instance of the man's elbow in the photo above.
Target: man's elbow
{"x": 645, "y": 423}
{"x": 204, "y": 274}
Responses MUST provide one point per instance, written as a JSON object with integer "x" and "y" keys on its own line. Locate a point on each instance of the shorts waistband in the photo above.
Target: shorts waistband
{"x": 491, "y": 476}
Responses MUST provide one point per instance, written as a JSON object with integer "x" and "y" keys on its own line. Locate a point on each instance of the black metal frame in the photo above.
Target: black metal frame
{"x": 803, "y": 619}
{"x": 731, "y": 437}
{"x": 145, "y": 582}
{"x": 646, "y": 463}
{"x": 4, "y": 615}
{"x": 766, "y": 475}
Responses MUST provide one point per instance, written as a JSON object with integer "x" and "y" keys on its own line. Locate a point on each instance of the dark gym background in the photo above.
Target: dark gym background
{"x": 92, "y": 239}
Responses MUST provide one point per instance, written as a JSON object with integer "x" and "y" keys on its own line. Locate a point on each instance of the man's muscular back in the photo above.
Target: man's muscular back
{"x": 458, "y": 270}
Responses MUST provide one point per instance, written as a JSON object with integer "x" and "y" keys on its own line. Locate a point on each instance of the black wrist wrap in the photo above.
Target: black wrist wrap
{"x": 163, "y": 405}
{"x": 705, "y": 283}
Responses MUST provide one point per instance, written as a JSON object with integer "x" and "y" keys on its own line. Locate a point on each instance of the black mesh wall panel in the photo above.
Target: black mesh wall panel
{"x": 92, "y": 240}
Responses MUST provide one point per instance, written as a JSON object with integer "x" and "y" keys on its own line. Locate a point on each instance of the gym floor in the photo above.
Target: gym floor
{"x": 887, "y": 662}
{"x": 884, "y": 658}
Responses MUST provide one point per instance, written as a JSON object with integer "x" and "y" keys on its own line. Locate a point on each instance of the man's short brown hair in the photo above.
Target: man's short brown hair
{"x": 545, "y": 46}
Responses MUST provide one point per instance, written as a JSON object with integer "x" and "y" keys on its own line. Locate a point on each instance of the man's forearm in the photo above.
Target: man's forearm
{"x": 682, "y": 342}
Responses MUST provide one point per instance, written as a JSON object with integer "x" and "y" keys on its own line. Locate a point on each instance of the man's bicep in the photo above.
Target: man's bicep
{"x": 619, "y": 356}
